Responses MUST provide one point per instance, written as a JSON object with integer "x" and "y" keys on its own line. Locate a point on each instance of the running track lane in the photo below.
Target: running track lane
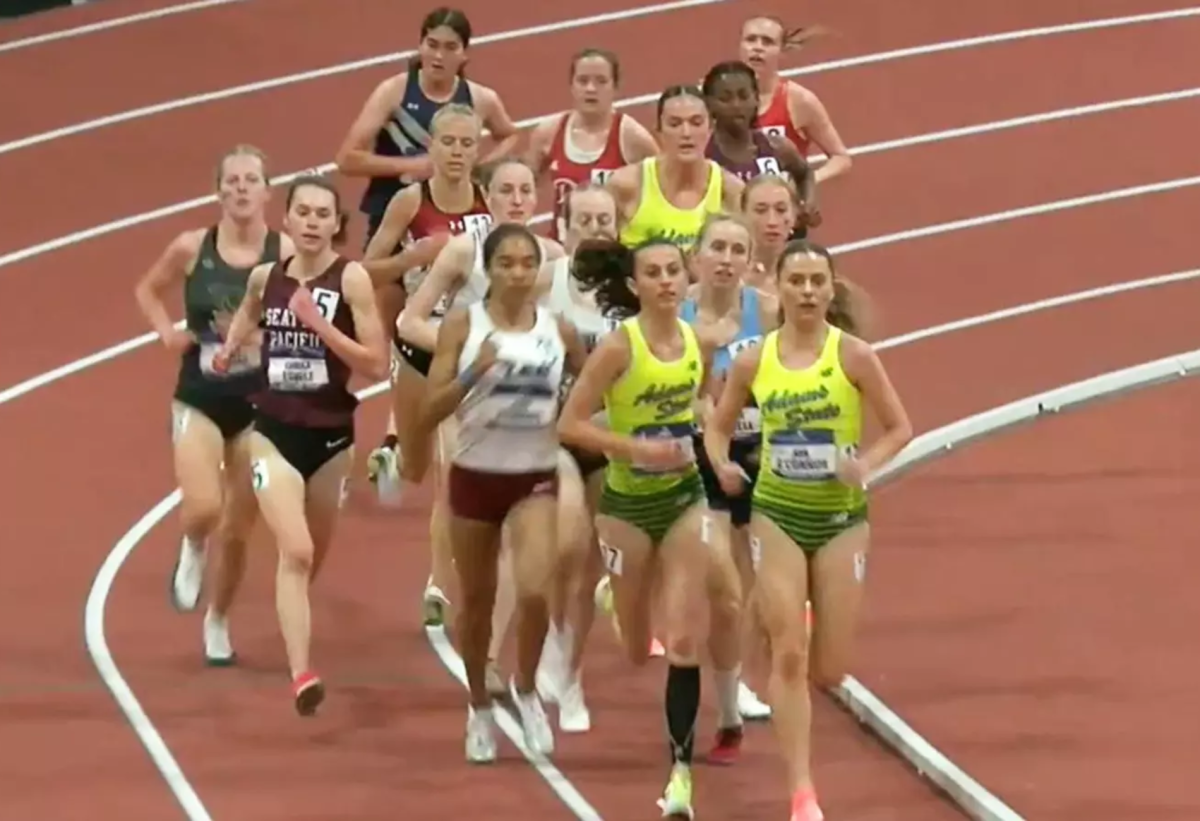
{"x": 933, "y": 177}
{"x": 1064, "y": 550}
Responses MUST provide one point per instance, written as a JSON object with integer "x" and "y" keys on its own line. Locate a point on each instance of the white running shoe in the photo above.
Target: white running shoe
{"x": 750, "y": 706}
{"x": 573, "y": 715}
{"x": 552, "y": 667}
{"x": 383, "y": 469}
{"x": 481, "y": 736}
{"x": 187, "y": 581}
{"x": 218, "y": 650}
{"x": 433, "y": 605}
{"x": 539, "y": 737}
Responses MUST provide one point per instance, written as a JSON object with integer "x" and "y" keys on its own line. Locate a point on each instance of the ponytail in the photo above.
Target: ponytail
{"x": 605, "y": 267}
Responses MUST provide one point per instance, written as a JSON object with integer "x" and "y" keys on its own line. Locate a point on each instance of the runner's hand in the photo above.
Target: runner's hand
{"x": 304, "y": 308}
{"x": 731, "y": 477}
{"x": 659, "y": 453}
{"x": 852, "y": 471}
{"x": 178, "y": 340}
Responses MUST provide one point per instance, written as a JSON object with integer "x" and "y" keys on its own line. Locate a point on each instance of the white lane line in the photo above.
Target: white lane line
{"x": 977, "y": 801}
{"x": 341, "y": 68}
{"x": 169, "y": 767}
{"x": 58, "y": 243}
{"x": 815, "y": 68}
{"x": 116, "y": 22}
{"x": 129, "y": 345}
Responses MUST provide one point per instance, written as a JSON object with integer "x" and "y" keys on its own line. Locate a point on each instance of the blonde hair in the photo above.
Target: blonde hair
{"x": 241, "y": 150}
{"x": 764, "y": 180}
{"x": 722, "y": 218}
{"x": 454, "y": 110}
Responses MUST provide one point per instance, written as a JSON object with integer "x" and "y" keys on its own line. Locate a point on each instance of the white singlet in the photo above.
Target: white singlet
{"x": 506, "y": 423}
{"x": 585, "y": 316}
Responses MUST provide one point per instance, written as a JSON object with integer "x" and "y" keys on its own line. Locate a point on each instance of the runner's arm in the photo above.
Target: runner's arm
{"x": 866, "y": 371}
{"x": 445, "y": 389}
{"x": 601, "y": 370}
{"x": 721, "y": 423}
{"x": 169, "y": 270}
{"x": 245, "y": 320}
{"x": 447, "y": 271}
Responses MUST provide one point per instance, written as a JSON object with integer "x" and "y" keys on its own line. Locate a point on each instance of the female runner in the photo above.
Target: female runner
{"x": 320, "y": 324}
{"x": 653, "y": 527}
{"x": 458, "y": 276}
{"x": 669, "y": 195}
{"x": 732, "y": 317}
{"x": 389, "y": 140}
{"x": 788, "y": 109}
{"x": 731, "y": 94}
{"x": 212, "y": 412}
{"x": 810, "y": 379}
{"x": 771, "y": 208}
{"x": 589, "y": 213}
{"x": 446, "y": 204}
{"x": 589, "y": 142}
{"x": 498, "y": 367}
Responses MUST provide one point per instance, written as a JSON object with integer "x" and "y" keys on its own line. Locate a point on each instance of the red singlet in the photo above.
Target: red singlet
{"x": 777, "y": 120}
{"x": 430, "y": 220}
{"x": 569, "y": 175}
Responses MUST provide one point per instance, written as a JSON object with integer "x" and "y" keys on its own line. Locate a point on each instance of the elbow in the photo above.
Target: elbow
{"x": 568, "y": 430}
{"x": 381, "y": 367}
{"x": 346, "y": 162}
{"x": 904, "y": 434}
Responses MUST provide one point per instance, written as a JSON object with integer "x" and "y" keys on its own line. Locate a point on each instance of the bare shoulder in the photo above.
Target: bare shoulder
{"x": 856, "y": 354}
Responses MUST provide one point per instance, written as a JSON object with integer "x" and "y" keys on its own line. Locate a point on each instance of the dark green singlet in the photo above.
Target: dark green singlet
{"x": 215, "y": 287}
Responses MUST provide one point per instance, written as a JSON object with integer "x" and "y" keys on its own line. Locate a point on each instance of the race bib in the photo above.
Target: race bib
{"x": 738, "y": 345}
{"x": 681, "y": 432}
{"x": 804, "y": 456}
{"x": 527, "y": 413}
{"x": 244, "y": 361}
{"x": 297, "y": 374}
{"x": 749, "y": 424}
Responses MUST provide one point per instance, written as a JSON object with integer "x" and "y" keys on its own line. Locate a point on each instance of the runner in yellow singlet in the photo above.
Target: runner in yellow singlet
{"x": 811, "y": 380}
{"x": 652, "y": 519}
{"x": 669, "y": 196}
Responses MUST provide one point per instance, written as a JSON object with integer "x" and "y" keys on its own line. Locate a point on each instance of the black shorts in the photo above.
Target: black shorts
{"x": 418, "y": 358}
{"x": 587, "y": 462}
{"x": 232, "y": 414}
{"x": 744, "y": 453}
{"x": 304, "y": 448}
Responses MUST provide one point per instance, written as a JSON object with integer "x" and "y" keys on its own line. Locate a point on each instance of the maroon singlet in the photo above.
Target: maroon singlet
{"x": 765, "y": 161}
{"x": 305, "y": 383}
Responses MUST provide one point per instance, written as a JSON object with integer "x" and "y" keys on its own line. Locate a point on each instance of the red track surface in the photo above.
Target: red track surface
{"x": 1027, "y": 620}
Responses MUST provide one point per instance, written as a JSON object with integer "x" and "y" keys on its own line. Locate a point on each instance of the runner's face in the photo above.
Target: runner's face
{"x": 684, "y": 128}
{"x": 593, "y": 216}
{"x": 772, "y": 214}
{"x": 313, "y": 219}
{"x": 660, "y": 278}
{"x": 512, "y": 195}
{"x": 592, "y": 87}
{"x": 442, "y": 53}
{"x": 514, "y": 267}
{"x": 762, "y": 41}
{"x": 242, "y": 189}
{"x": 734, "y": 102}
{"x": 455, "y": 146}
{"x": 723, "y": 257}
{"x": 805, "y": 287}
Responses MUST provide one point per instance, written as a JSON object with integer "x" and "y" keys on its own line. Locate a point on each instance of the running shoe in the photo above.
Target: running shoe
{"x": 539, "y": 737}
{"x": 481, "y": 736}
{"x": 308, "y": 691}
{"x": 805, "y": 807}
{"x": 573, "y": 714}
{"x": 433, "y": 606}
{"x": 750, "y": 706}
{"x": 383, "y": 469}
{"x": 187, "y": 579}
{"x": 218, "y": 650}
{"x": 728, "y": 746}
{"x": 677, "y": 798}
{"x": 552, "y": 668}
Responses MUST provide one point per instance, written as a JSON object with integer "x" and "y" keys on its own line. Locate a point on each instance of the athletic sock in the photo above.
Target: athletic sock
{"x": 725, "y": 682}
{"x": 683, "y": 705}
